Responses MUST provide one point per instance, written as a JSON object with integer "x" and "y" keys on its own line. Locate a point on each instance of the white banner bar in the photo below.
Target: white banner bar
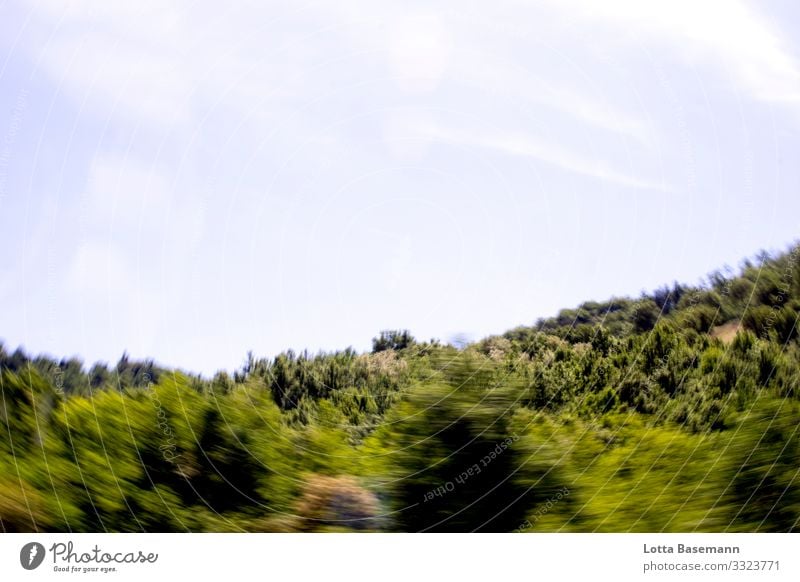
{"x": 369, "y": 557}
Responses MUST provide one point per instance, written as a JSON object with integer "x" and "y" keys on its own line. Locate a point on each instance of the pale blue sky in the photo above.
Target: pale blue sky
{"x": 189, "y": 182}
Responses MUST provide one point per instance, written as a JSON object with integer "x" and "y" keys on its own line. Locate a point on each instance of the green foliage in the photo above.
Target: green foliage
{"x": 661, "y": 413}
{"x": 645, "y": 316}
{"x": 451, "y": 457}
{"x": 762, "y": 492}
{"x": 392, "y": 340}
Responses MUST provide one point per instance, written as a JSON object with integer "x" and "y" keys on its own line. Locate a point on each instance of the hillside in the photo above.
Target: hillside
{"x": 674, "y": 411}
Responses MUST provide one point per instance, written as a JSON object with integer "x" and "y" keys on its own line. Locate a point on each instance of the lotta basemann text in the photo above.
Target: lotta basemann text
{"x": 684, "y": 549}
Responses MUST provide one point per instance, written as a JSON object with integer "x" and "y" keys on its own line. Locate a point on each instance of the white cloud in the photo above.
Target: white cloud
{"x": 164, "y": 63}
{"x": 159, "y": 60}
{"x": 426, "y": 46}
{"x": 600, "y": 114}
{"x": 168, "y": 63}
{"x": 264, "y": 63}
{"x": 530, "y": 146}
{"x": 130, "y": 58}
{"x": 730, "y": 34}
{"x": 532, "y": 89}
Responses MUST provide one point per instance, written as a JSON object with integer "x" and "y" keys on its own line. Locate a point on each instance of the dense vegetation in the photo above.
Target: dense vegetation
{"x": 676, "y": 411}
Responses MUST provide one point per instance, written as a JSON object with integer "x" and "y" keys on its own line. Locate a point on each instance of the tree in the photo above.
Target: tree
{"x": 392, "y": 340}
{"x": 645, "y": 316}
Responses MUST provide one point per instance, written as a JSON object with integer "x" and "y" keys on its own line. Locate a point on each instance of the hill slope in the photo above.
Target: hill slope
{"x": 657, "y": 413}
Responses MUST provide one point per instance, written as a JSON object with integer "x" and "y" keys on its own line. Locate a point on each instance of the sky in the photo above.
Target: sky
{"x": 192, "y": 180}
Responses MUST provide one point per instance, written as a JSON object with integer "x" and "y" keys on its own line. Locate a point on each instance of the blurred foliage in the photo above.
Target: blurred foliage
{"x": 675, "y": 411}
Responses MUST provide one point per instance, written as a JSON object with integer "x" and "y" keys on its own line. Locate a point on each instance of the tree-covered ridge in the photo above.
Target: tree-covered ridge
{"x": 675, "y": 411}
